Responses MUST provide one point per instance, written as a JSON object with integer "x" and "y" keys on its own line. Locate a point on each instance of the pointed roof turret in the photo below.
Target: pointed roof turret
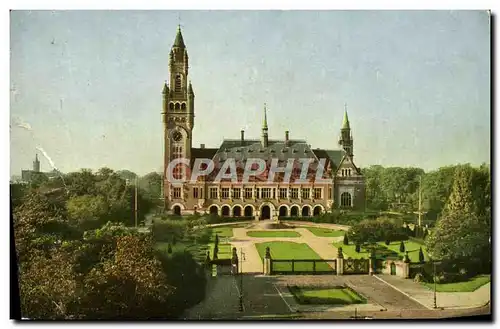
{"x": 190, "y": 88}
{"x": 265, "y": 117}
{"x": 165, "y": 89}
{"x": 345, "y": 122}
{"x": 179, "y": 41}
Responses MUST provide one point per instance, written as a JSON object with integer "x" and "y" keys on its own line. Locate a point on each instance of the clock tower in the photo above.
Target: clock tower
{"x": 178, "y": 113}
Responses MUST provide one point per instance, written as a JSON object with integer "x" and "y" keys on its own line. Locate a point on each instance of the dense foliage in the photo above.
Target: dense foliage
{"x": 463, "y": 233}
{"x": 80, "y": 256}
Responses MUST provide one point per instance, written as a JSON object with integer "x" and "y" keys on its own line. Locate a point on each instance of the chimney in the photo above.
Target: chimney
{"x": 202, "y": 146}
{"x": 242, "y": 136}
{"x": 286, "y": 137}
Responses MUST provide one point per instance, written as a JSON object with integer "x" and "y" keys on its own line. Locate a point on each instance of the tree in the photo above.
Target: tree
{"x": 346, "y": 240}
{"x": 87, "y": 210}
{"x": 47, "y": 286}
{"x": 461, "y": 199}
{"x": 216, "y": 239}
{"x": 169, "y": 249}
{"x": 402, "y": 247}
{"x": 462, "y": 232}
{"x": 133, "y": 282}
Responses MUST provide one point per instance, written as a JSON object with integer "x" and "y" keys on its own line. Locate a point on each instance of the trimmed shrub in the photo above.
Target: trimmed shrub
{"x": 358, "y": 248}
{"x": 346, "y": 239}
{"x": 169, "y": 249}
{"x": 402, "y": 247}
{"x": 421, "y": 257}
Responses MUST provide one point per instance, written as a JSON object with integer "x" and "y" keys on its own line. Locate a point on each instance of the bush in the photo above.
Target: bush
{"x": 402, "y": 247}
{"x": 169, "y": 249}
{"x": 358, "y": 248}
{"x": 189, "y": 280}
{"x": 387, "y": 242}
{"x": 346, "y": 240}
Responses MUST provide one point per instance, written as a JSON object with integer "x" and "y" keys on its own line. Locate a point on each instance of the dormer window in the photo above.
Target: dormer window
{"x": 284, "y": 150}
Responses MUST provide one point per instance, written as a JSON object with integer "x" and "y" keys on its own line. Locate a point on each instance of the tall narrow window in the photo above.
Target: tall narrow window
{"x": 317, "y": 193}
{"x": 195, "y": 193}
{"x": 178, "y": 83}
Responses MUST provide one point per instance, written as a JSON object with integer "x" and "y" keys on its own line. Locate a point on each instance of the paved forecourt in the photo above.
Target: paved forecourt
{"x": 252, "y": 263}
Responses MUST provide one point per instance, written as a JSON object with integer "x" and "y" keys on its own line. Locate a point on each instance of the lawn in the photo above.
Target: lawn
{"x": 273, "y": 234}
{"x": 292, "y": 250}
{"x": 350, "y": 251}
{"x": 465, "y": 286}
{"x": 411, "y": 246}
{"x": 323, "y": 232}
{"x": 198, "y": 250}
{"x": 332, "y": 296}
{"x": 222, "y": 231}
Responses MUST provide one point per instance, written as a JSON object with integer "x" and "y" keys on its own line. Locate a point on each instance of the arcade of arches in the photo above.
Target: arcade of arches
{"x": 265, "y": 212}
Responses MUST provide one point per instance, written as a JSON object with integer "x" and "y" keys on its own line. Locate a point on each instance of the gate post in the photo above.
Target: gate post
{"x": 340, "y": 261}
{"x": 267, "y": 262}
{"x": 234, "y": 262}
{"x": 406, "y": 266}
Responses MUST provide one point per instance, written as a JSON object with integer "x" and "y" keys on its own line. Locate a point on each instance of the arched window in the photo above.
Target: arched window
{"x": 177, "y": 106}
{"x": 248, "y": 211}
{"x": 225, "y": 211}
{"x": 345, "y": 199}
{"x": 237, "y": 211}
{"x": 183, "y": 106}
{"x": 214, "y": 210}
{"x": 178, "y": 83}
{"x": 171, "y": 106}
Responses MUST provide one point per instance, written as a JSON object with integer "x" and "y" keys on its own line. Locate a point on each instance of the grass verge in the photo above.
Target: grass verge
{"x": 464, "y": 286}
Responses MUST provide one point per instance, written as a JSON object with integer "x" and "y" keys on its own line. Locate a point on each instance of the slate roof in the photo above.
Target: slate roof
{"x": 179, "y": 41}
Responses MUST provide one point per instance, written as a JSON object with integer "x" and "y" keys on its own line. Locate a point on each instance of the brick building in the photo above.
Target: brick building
{"x": 343, "y": 186}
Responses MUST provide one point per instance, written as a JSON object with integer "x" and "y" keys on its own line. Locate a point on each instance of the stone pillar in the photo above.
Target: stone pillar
{"x": 340, "y": 261}
{"x": 234, "y": 262}
{"x": 267, "y": 262}
{"x": 406, "y": 266}
{"x": 372, "y": 260}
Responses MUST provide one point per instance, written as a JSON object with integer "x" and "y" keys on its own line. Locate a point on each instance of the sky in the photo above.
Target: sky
{"x": 88, "y": 83}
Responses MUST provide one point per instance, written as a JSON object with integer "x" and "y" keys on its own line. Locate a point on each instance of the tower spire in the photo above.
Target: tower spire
{"x": 179, "y": 41}
{"x": 265, "y": 138}
{"x": 345, "y": 122}
{"x": 265, "y": 117}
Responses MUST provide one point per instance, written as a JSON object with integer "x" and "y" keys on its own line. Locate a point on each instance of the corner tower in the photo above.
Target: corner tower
{"x": 345, "y": 139}
{"x": 178, "y": 110}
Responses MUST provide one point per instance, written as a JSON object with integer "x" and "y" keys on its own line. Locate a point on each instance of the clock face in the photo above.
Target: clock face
{"x": 177, "y": 136}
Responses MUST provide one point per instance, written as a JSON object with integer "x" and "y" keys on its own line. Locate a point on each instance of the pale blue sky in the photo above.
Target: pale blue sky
{"x": 417, "y": 84}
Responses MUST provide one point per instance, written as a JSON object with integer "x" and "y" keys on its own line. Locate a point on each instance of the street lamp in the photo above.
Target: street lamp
{"x": 241, "y": 279}
{"x": 434, "y": 278}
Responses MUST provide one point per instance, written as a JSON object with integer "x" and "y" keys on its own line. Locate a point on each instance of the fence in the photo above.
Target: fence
{"x": 356, "y": 266}
{"x": 303, "y": 266}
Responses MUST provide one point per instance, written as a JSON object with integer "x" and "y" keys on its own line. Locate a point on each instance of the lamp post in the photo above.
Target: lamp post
{"x": 434, "y": 278}
{"x": 241, "y": 279}
{"x": 435, "y": 301}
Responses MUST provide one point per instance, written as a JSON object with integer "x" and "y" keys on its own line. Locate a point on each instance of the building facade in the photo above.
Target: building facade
{"x": 302, "y": 194}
